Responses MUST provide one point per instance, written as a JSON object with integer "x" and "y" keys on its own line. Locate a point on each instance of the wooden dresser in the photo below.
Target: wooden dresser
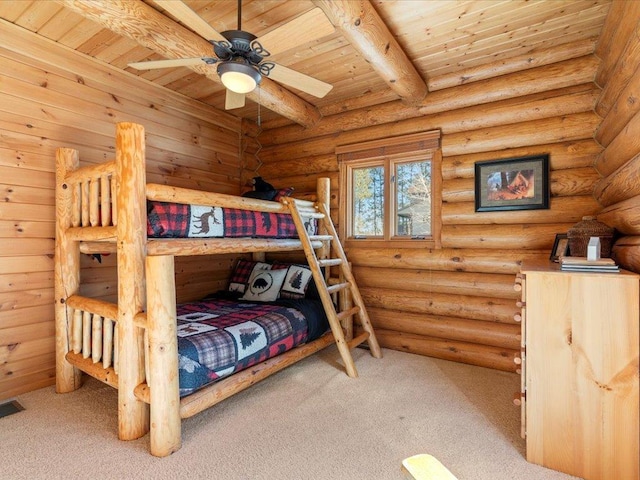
{"x": 580, "y": 371}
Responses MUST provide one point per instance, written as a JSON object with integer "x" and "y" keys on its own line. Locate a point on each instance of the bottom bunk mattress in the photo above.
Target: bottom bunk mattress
{"x": 218, "y": 337}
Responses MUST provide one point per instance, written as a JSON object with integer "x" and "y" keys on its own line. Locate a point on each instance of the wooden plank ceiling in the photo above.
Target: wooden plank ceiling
{"x": 442, "y": 43}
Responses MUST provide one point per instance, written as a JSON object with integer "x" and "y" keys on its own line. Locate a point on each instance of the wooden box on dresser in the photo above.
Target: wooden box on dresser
{"x": 580, "y": 371}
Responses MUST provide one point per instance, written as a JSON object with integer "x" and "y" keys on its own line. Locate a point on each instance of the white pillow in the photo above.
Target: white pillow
{"x": 264, "y": 285}
{"x": 242, "y": 272}
{"x": 296, "y": 282}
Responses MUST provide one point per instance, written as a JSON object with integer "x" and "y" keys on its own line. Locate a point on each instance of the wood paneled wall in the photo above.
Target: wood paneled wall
{"x": 455, "y": 303}
{"x": 51, "y": 96}
{"x": 459, "y": 302}
{"x": 619, "y": 133}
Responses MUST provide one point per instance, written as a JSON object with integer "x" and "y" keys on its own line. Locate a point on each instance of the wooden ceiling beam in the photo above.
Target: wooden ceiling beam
{"x": 148, "y": 27}
{"x": 361, "y": 25}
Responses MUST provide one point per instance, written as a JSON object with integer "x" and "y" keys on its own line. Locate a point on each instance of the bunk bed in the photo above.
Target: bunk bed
{"x": 132, "y": 345}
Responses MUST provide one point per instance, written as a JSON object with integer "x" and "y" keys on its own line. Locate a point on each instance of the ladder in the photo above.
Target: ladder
{"x": 335, "y": 257}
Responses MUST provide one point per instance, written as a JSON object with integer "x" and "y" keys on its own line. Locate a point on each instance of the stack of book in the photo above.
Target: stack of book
{"x": 581, "y": 264}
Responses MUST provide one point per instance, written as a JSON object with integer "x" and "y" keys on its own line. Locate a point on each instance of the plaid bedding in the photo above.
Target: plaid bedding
{"x": 173, "y": 220}
{"x": 218, "y": 337}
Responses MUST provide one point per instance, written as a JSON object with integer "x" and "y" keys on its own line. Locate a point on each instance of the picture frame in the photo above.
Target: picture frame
{"x": 520, "y": 183}
{"x": 560, "y": 247}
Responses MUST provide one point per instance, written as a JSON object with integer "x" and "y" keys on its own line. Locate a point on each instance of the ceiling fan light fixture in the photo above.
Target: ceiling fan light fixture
{"x": 239, "y": 77}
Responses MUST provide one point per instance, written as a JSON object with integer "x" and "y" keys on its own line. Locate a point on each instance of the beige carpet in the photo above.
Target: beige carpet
{"x": 308, "y": 422}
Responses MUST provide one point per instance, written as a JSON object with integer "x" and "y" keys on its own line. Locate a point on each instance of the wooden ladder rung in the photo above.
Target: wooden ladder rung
{"x": 330, "y": 262}
{"x": 347, "y": 313}
{"x": 337, "y": 287}
{"x": 311, "y": 214}
{"x": 355, "y": 341}
{"x": 321, "y": 238}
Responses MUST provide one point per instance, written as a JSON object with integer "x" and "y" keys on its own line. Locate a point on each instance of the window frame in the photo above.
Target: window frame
{"x": 389, "y": 152}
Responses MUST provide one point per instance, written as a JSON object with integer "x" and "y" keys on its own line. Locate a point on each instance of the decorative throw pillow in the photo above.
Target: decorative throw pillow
{"x": 283, "y": 192}
{"x": 264, "y": 285}
{"x": 241, "y": 274}
{"x": 296, "y": 281}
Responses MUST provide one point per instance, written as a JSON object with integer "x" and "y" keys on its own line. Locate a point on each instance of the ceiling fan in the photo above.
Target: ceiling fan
{"x": 240, "y": 55}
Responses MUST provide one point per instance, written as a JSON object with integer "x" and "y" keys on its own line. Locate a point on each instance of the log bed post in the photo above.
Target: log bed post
{"x": 67, "y": 270}
{"x": 162, "y": 377}
{"x": 133, "y": 414}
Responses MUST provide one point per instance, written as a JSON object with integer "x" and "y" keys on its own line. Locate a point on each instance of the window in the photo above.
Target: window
{"x": 390, "y": 190}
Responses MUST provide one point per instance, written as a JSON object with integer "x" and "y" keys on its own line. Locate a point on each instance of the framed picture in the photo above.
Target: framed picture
{"x": 560, "y": 247}
{"x": 512, "y": 184}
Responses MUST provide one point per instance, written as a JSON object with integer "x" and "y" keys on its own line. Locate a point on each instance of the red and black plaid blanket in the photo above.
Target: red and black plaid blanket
{"x": 218, "y": 337}
{"x": 173, "y": 220}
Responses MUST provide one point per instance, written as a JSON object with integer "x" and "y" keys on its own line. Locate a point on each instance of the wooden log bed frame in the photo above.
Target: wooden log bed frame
{"x": 132, "y": 345}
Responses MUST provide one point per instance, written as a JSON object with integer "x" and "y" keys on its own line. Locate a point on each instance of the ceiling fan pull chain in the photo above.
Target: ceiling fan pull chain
{"x": 259, "y": 103}
{"x": 258, "y": 145}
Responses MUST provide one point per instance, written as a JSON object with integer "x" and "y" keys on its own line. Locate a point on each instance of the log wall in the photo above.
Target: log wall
{"x": 459, "y": 302}
{"x": 456, "y": 303}
{"x": 619, "y": 133}
{"x": 51, "y": 96}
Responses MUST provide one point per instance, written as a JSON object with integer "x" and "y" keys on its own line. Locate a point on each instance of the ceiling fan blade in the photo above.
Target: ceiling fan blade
{"x": 307, "y": 27}
{"x": 233, "y": 100}
{"x": 190, "y": 18}
{"x": 299, "y": 81}
{"x": 176, "y": 62}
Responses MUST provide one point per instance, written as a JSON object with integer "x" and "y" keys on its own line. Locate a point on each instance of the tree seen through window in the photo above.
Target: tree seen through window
{"x": 368, "y": 194}
{"x": 411, "y": 187}
{"x": 413, "y": 198}
{"x": 390, "y": 191}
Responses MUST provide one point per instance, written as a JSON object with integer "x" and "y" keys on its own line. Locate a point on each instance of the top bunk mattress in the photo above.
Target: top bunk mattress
{"x": 176, "y": 220}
